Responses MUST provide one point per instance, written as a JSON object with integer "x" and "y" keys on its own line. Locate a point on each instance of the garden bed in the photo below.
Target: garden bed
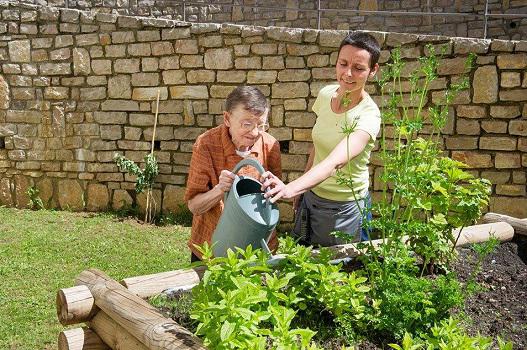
{"x": 498, "y": 309}
{"x": 501, "y": 308}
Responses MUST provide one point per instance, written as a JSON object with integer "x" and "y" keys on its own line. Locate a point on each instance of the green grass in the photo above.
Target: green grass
{"x": 43, "y": 251}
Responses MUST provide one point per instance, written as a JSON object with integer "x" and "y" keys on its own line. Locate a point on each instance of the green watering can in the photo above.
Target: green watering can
{"x": 248, "y": 218}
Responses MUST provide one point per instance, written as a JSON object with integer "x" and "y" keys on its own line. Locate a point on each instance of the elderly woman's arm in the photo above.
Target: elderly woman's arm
{"x": 202, "y": 202}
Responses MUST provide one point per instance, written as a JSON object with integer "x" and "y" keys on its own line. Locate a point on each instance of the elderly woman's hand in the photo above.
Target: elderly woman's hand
{"x": 274, "y": 188}
{"x": 225, "y": 180}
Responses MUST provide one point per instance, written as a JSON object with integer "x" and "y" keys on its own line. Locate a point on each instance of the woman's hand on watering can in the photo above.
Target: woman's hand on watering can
{"x": 273, "y": 187}
{"x": 226, "y": 180}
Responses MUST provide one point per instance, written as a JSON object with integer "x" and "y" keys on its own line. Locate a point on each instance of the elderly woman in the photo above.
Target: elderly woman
{"x": 216, "y": 152}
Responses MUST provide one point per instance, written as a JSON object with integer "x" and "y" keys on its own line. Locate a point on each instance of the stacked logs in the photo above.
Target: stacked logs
{"x": 117, "y": 317}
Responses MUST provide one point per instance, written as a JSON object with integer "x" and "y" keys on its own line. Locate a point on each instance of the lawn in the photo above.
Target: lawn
{"x": 43, "y": 251}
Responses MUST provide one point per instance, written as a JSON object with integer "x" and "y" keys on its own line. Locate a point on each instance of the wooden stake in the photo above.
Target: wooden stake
{"x": 148, "y": 216}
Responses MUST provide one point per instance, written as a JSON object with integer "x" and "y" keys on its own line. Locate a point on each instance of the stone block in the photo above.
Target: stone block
{"x": 191, "y": 61}
{"x": 145, "y": 79}
{"x": 281, "y": 133}
{"x": 95, "y": 93}
{"x": 119, "y": 105}
{"x": 149, "y": 94}
{"x": 498, "y": 143}
{"x": 261, "y": 77}
{"x": 119, "y": 86}
{"x": 173, "y": 198}
{"x": 175, "y": 33}
{"x": 81, "y": 62}
{"x": 264, "y": 49}
{"x": 6, "y": 190}
{"x": 461, "y": 142}
{"x": 187, "y": 133}
{"x": 123, "y": 37}
{"x": 189, "y": 92}
{"x": 110, "y": 117}
{"x": 485, "y": 84}
{"x": 517, "y": 95}
{"x": 162, "y": 48}
{"x": 494, "y": 126}
{"x": 510, "y": 79}
{"x": 518, "y": 127}
{"x": 511, "y": 190}
{"x": 101, "y": 67}
{"x": 115, "y": 50}
{"x": 452, "y": 66}
{"x": 507, "y": 160}
{"x": 70, "y": 195}
{"x": 301, "y": 50}
{"x": 293, "y": 162}
{"x": 512, "y": 61}
{"x": 148, "y": 35}
{"x": 111, "y": 132}
{"x": 19, "y": 50}
{"x": 282, "y": 34}
{"x": 231, "y": 76}
{"x": 512, "y": 206}
{"x": 505, "y": 112}
{"x": 201, "y": 76}
{"x": 98, "y": 197}
{"x": 219, "y": 59}
{"x": 130, "y": 65}
{"x": 294, "y": 75}
{"x": 171, "y": 77}
{"x": 331, "y": 38}
{"x": 121, "y": 199}
{"x": 87, "y": 39}
{"x": 300, "y": 119}
{"x": 142, "y": 49}
{"x": 55, "y": 68}
{"x": 248, "y": 63}
{"x": 473, "y": 159}
{"x": 290, "y": 90}
{"x": 186, "y": 47}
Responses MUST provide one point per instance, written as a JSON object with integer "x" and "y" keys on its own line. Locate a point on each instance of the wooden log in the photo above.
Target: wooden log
{"x": 139, "y": 318}
{"x": 519, "y": 225}
{"x": 80, "y": 339}
{"x": 113, "y": 334}
{"x": 470, "y": 234}
{"x": 482, "y": 233}
{"x": 75, "y": 305}
{"x": 148, "y": 285}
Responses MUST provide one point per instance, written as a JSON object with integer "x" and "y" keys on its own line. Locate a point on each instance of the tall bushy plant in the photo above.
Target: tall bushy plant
{"x": 425, "y": 194}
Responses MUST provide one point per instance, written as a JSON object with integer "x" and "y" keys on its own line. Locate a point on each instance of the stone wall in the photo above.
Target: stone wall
{"x": 77, "y": 88}
{"x": 305, "y": 14}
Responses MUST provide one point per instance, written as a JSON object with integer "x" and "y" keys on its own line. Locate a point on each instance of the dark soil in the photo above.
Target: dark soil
{"x": 501, "y": 308}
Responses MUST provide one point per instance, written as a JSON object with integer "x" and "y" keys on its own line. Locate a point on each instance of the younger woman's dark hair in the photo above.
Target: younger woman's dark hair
{"x": 252, "y": 99}
{"x": 364, "y": 41}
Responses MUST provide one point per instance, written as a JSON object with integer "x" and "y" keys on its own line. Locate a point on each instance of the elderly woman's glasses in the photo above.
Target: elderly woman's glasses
{"x": 249, "y": 126}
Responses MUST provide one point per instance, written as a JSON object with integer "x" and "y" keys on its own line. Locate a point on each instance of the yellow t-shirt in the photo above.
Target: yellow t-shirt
{"x": 327, "y": 133}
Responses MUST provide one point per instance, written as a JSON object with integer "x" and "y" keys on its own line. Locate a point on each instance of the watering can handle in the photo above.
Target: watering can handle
{"x": 249, "y": 161}
{"x": 261, "y": 170}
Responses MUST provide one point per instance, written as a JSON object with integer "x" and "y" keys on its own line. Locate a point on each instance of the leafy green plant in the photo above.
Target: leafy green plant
{"x": 144, "y": 178}
{"x": 253, "y": 304}
{"x": 425, "y": 194}
{"x": 35, "y": 202}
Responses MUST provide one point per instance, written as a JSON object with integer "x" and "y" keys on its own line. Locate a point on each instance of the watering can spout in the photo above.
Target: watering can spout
{"x": 248, "y": 217}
